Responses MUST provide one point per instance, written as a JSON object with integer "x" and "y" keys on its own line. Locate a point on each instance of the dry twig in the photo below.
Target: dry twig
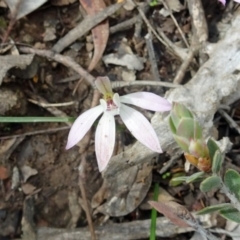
{"x": 165, "y": 4}
{"x": 83, "y": 193}
{"x": 37, "y": 132}
{"x": 65, "y": 60}
{"x": 47, "y": 105}
{"x": 84, "y": 26}
{"x": 119, "y": 84}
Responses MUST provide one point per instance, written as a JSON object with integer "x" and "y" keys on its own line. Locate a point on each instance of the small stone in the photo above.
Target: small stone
{"x": 27, "y": 38}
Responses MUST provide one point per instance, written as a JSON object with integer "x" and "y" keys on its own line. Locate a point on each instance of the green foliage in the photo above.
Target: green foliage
{"x": 212, "y": 148}
{"x": 188, "y": 179}
{"x": 230, "y": 213}
{"x": 182, "y": 142}
{"x": 154, "y": 214}
{"x": 214, "y": 208}
{"x": 173, "y": 182}
{"x": 154, "y": 3}
{"x": 35, "y": 119}
{"x": 232, "y": 181}
{"x": 210, "y": 183}
{"x": 217, "y": 162}
{"x": 186, "y": 128}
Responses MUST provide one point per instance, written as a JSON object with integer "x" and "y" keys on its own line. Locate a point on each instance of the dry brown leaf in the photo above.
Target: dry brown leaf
{"x": 126, "y": 191}
{"x": 175, "y": 212}
{"x": 4, "y": 173}
{"x": 100, "y": 33}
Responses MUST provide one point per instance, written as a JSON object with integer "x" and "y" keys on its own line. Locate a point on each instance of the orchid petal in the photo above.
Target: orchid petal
{"x": 105, "y": 140}
{"x": 140, "y": 128}
{"x": 103, "y": 104}
{"x": 82, "y": 124}
{"x": 103, "y": 84}
{"x": 147, "y": 100}
{"x": 223, "y": 2}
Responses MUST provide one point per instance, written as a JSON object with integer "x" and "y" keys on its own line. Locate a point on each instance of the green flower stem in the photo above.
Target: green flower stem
{"x": 35, "y": 119}
{"x": 154, "y": 214}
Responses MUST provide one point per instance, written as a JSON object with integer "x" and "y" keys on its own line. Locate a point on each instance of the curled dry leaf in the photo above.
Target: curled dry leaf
{"x": 4, "y": 173}
{"x": 124, "y": 192}
{"x": 100, "y": 33}
{"x": 175, "y": 212}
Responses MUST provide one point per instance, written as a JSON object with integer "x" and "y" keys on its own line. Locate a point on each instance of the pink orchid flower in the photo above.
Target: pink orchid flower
{"x": 112, "y": 104}
{"x": 224, "y": 1}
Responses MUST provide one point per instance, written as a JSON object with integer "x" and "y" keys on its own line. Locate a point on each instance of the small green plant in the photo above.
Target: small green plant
{"x": 208, "y": 158}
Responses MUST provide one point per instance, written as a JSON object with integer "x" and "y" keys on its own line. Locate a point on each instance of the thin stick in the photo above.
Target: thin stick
{"x": 119, "y": 84}
{"x": 65, "y": 60}
{"x": 82, "y": 179}
{"x": 69, "y": 79}
{"x": 150, "y": 26}
{"x": 84, "y": 26}
{"x": 175, "y": 22}
{"x": 230, "y": 121}
{"x": 36, "y": 132}
{"x": 152, "y": 57}
{"x": 184, "y": 66}
{"x": 42, "y": 104}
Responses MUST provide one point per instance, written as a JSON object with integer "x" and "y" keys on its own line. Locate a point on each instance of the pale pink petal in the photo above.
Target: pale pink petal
{"x": 238, "y": 1}
{"x": 147, "y": 100}
{"x": 140, "y": 128}
{"x": 82, "y": 124}
{"x": 103, "y": 84}
{"x": 105, "y": 140}
{"x": 223, "y": 2}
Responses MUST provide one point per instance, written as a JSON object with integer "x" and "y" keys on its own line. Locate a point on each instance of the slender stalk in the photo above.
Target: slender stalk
{"x": 35, "y": 119}
{"x": 154, "y": 214}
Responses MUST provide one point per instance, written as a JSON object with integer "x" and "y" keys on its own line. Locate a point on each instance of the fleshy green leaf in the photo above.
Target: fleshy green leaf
{"x": 217, "y": 162}
{"x": 171, "y": 125}
{"x": 232, "y": 181}
{"x": 186, "y": 128}
{"x": 230, "y": 213}
{"x": 176, "y": 180}
{"x": 188, "y": 179}
{"x": 214, "y": 208}
{"x": 182, "y": 142}
{"x": 176, "y": 183}
{"x": 197, "y": 130}
{"x": 194, "y": 177}
{"x": 210, "y": 183}
{"x": 175, "y": 119}
{"x": 182, "y": 111}
{"x": 212, "y": 148}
